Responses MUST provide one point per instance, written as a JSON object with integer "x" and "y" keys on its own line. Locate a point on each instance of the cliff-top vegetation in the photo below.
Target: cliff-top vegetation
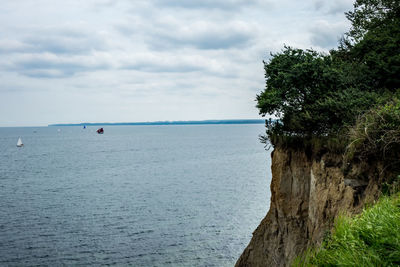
{"x": 313, "y": 94}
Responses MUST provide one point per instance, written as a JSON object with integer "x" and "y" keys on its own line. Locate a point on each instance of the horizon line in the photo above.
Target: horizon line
{"x": 188, "y": 122}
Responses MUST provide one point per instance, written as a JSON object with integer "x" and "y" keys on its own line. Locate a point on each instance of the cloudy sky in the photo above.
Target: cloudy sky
{"x": 149, "y": 60}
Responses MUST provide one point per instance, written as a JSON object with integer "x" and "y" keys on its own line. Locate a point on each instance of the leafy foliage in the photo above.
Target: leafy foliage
{"x": 295, "y": 79}
{"x": 372, "y": 44}
{"x": 371, "y": 15}
{"x": 316, "y": 94}
{"x": 309, "y": 93}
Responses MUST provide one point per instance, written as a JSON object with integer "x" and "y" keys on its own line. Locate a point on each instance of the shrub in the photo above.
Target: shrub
{"x": 376, "y": 134}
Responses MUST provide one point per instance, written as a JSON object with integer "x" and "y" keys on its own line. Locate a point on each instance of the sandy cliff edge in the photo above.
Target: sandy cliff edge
{"x": 307, "y": 193}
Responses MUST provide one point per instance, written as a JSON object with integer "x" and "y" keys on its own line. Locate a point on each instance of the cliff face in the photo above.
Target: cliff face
{"x": 307, "y": 193}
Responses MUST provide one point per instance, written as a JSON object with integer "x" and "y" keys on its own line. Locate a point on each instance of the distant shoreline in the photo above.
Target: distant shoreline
{"x": 257, "y": 121}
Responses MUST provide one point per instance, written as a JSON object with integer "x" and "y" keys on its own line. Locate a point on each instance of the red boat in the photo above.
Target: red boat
{"x": 100, "y": 131}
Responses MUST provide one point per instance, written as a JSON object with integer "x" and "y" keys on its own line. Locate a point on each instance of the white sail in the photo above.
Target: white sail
{"x": 19, "y": 143}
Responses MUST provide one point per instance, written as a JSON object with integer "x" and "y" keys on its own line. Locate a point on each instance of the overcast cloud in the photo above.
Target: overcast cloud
{"x": 149, "y": 60}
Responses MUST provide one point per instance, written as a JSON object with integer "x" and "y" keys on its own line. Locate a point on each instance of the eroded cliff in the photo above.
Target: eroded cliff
{"x": 308, "y": 191}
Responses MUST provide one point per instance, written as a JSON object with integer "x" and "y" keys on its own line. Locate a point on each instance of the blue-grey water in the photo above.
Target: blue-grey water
{"x": 136, "y": 195}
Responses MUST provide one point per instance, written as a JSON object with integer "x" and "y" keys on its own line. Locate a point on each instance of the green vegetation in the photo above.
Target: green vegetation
{"x": 309, "y": 94}
{"x": 346, "y": 101}
{"x": 376, "y": 134}
{"x": 369, "y": 239}
{"x": 316, "y": 95}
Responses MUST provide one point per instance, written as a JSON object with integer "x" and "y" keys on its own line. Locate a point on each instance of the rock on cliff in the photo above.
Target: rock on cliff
{"x": 307, "y": 192}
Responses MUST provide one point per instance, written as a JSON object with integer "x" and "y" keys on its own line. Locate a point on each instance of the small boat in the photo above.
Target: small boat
{"x": 100, "y": 131}
{"x": 19, "y": 143}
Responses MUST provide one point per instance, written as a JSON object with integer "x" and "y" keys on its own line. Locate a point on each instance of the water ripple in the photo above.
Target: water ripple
{"x": 141, "y": 196}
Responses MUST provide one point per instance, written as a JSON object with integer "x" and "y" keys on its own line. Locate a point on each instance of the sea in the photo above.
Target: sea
{"x": 175, "y": 195}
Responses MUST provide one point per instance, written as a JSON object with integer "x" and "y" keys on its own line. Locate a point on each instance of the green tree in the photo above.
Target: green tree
{"x": 372, "y": 44}
{"x": 295, "y": 79}
{"x": 311, "y": 93}
{"x": 308, "y": 92}
{"x": 371, "y": 15}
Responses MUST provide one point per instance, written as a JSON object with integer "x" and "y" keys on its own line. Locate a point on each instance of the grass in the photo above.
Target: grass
{"x": 369, "y": 239}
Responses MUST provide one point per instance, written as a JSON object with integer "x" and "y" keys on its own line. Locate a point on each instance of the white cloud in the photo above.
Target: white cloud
{"x": 326, "y": 35}
{"x": 209, "y": 4}
{"x": 333, "y": 7}
{"x": 148, "y": 60}
{"x": 201, "y": 34}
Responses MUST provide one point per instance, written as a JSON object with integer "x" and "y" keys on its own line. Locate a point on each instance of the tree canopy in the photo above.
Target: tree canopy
{"x": 371, "y": 15}
{"x": 312, "y": 93}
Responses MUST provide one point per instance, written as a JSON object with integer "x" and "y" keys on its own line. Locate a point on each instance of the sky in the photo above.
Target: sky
{"x": 149, "y": 60}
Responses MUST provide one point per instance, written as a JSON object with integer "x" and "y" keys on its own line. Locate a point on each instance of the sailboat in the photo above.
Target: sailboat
{"x": 19, "y": 143}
